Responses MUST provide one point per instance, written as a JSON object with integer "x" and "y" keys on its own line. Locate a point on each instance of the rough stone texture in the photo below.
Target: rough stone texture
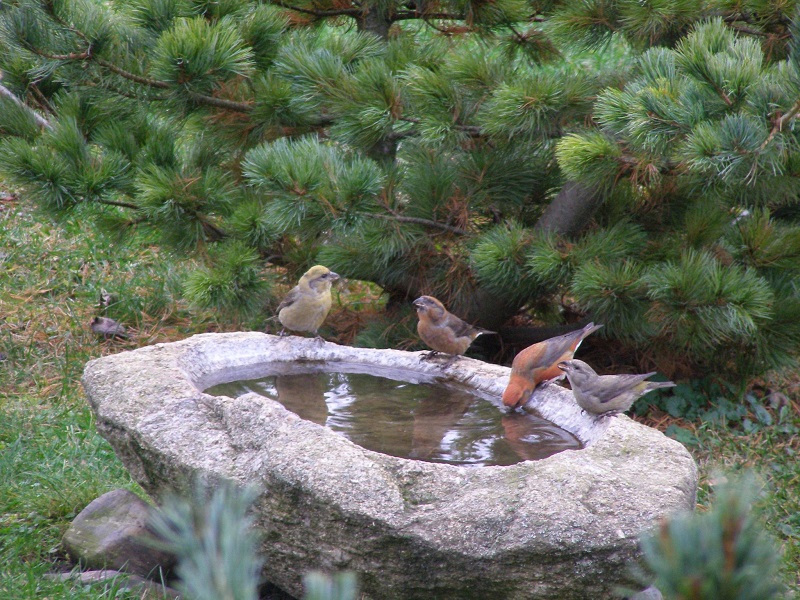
{"x": 563, "y": 527}
{"x": 107, "y": 535}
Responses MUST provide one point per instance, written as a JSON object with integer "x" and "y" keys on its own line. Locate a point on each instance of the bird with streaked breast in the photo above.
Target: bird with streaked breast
{"x": 441, "y": 330}
{"x": 605, "y": 395}
{"x": 539, "y": 363}
{"x": 307, "y": 304}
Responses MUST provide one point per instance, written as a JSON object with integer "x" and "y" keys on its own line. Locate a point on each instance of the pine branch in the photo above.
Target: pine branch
{"x": 199, "y": 98}
{"x": 44, "y": 103}
{"x": 132, "y": 76}
{"x": 471, "y": 130}
{"x": 406, "y": 15}
{"x": 781, "y": 123}
{"x": 88, "y": 55}
{"x": 214, "y": 232}
{"x": 42, "y": 122}
{"x": 420, "y": 221}
{"x": 321, "y": 13}
{"x": 118, "y": 203}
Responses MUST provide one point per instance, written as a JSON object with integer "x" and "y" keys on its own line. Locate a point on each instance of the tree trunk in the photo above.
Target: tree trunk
{"x": 374, "y": 21}
{"x": 571, "y": 210}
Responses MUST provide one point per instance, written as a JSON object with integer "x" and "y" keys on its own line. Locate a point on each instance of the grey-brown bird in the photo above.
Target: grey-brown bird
{"x": 441, "y": 330}
{"x": 603, "y": 395}
{"x": 308, "y": 303}
{"x": 108, "y": 328}
{"x": 539, "y": 362}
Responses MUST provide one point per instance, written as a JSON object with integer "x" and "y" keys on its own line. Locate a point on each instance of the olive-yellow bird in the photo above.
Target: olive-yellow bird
{"x": 441, "y": 330}
{"x": 539, "y": 362}
{"x": 308, "y": 303}
{"x": 603, "y": 395}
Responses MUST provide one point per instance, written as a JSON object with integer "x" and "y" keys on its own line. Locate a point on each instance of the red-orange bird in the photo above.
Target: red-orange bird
{"x": 441, "y": 330}
{"x": 539, "y": 363}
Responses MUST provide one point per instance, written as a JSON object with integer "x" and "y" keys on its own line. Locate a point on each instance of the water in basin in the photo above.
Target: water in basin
{"x": 423, "y": 421}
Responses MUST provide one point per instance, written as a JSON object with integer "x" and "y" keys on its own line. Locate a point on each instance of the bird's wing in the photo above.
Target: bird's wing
{"x": 608, "y": 389}
{"x": 459, "y": 327}
{"x": 556, "y": 348}
{"x": 292, "y": 297}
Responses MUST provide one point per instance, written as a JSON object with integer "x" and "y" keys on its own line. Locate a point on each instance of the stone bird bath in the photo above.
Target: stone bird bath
{"x": 561, "y": 527}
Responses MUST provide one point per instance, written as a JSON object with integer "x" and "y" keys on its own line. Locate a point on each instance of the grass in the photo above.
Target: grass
{"x": 53, "y": 463}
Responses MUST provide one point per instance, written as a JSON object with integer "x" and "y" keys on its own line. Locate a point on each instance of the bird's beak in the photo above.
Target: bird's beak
{"x": 333, "y": 276}
{"x": 563, "y": 365}
{"x": 417, "y": 304}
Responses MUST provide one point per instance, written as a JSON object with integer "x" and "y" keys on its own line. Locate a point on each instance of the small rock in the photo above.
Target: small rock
{"x": 147, "y": 589}
{"x": 108, "y": 533}
{"x": 651, "y": 593}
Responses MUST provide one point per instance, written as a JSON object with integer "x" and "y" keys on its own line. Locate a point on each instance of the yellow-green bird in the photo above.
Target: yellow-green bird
{"x": 307, "y": 304}
{"x": 603, "y": 395}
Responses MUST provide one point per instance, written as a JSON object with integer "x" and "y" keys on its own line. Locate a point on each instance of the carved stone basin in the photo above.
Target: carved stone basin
{"x": 561, "y": 527}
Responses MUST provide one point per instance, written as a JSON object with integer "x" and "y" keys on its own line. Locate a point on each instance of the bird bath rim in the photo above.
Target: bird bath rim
{"x": 485, "y": 380}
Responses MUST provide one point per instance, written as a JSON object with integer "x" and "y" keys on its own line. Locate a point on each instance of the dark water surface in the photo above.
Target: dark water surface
{"x": 423, "y": 421}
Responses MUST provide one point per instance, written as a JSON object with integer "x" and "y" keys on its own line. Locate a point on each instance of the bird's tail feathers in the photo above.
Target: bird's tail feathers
{"x": 654, "y": 385}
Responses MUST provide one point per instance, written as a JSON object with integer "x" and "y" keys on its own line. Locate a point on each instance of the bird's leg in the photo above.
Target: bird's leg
{"x": 453, "y": 358}
{"x": 282, "y": 332}
{"x": 429, "y": 355}
{"x": 319, "y": 339}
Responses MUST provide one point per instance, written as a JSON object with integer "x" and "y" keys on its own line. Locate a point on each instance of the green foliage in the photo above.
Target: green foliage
{"x": 212, "y": 534}
{"x": 198, "y": 56}
{"x": 233, "y": 284}
{"x": 616, "y": 295}
{"x": 499, "y": 261}
{"x": 700, "y": 303}
{"x": 722, "y": 554}
{"x": 16, "y": 121}
{"x": 320, "y": 586}
{"x": 213, "y": 538}
{"x": 592, "y": 158}
{"x": 439, "y": 156}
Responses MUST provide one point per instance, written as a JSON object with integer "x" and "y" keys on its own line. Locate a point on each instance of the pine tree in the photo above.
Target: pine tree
{"x": 723, "y": 554}
{"x": 634, "y": 163}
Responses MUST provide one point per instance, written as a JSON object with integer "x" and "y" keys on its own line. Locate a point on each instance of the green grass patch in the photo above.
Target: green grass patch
{"x": 53, "y": 462}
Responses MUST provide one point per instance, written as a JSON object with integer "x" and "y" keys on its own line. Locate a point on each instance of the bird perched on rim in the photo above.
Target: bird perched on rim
{"x": 308, "y": 303}
{"x": 539, "y": 362}
{"x": 108, "y": 328}
{"x": 603, "y": 395}
{"x": 441, "y": 330}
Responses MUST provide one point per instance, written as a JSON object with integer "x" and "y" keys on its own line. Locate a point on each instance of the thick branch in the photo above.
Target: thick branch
{"x": 120, "y": 204}
{"x": 571, "y": 210}
{"x": 41, "y": 121}
{"x": 198, "y": 98}
{"x": 214, "y": 232}
{"x": 405, "y": 15}
{"x": 781, "y": 123}
{"x": 132, "y": 76}
{"x": 420, "y": 221}
{"x": 338, "y": 12}
{"x": 155, "y": 83}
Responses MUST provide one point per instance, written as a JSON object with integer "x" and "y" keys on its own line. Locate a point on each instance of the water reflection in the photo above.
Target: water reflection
{"x": 422, "y": 421}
